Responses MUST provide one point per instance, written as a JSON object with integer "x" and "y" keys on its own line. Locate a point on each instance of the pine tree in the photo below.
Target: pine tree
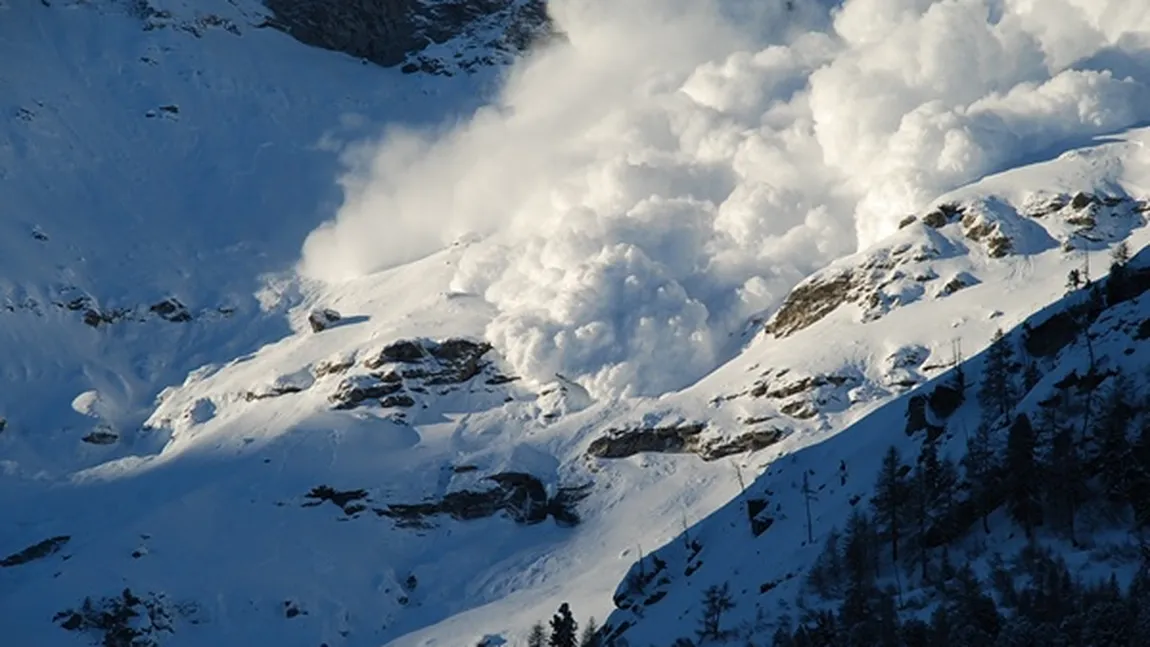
{"x": 716, "y": 602}
{"x": 537, "y": 637}
{"x": 1022, "y": 475}
{"x": 980, "y": 465}
{"x": 890, "y": 500}
{"x": 590, "y": 637}
{"x": 932, "y": 493}
{"x": 1117, "y": 285}
{"x": 1064, "y": 480}
{"x": 860, "y": 551}
{"x": 996, "y": 392}
{"x": 1115, "y": 452}
{"x": 563, "y": 628}
{"x": 826, "y": 575}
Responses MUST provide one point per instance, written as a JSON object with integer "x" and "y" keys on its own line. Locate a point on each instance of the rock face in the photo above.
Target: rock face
{"x": 521, "y": 496}
{"x": 404, "y": 32}
{"x": 678, "y": 439}
{"x": 413, "y": 366}
{"x": 321, "y": 319}
{"x": 36, "y": 551}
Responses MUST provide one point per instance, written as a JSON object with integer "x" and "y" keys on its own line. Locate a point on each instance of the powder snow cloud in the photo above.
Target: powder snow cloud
{"x": 677, "y": 165}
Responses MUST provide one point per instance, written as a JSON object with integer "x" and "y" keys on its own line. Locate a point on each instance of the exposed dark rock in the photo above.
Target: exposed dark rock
{"x": 799, "y": 408}
{"x": 520, "y": 495}
{"x": 678, "y": 439}
{"x": 342, "y": 498}
{"x": 809, "y": 302}
{"x": 125, "y": 620}
{"x": 907, "y": 221}
{"x": 403, "y": 351}
{"x": 755, "y": 508}
{"x": 321, "y": 319}
{"x": 402, "y": 400}
{"x": 459, "y": 360}
{"x": 352, "y": 391}
{"x": 945, "y": 399}
{"x": 272, "y": 392}
{"x": 333, "y": 366}
{"x": 94, "y": 317}
{"x": 101, "y": 437}
{"x": 1082, "y": 200}
{"x": 934, "y": 219}
{"x": 621, "y": 443}
{"x": 785, "y": 389}
{"x": 943, "y": 214}
{"x": 1053, "y": 334}
{"x": 916, "y": 414}
{"x": 36, "y": 551}
{"x": 425, "y": 363}
{"x": 171, "y": 309}
{"x": 1143, "y": 332}
{"x": 396, "y": 32}
{"x": 751, "y": 441}
{"x": 959, "y": 282}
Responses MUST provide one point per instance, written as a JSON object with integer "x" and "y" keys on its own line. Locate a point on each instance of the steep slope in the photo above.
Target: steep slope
{"x": 155, "y": 175}
{"x": 1017, "y": 249}
{"x": 394, "y": 478}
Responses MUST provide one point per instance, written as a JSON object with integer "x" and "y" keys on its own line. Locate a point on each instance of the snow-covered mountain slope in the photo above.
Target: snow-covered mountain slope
{"x": 427, "y": 470}
{"x": 761, "y": 547}
{"x": 141, "y": 163}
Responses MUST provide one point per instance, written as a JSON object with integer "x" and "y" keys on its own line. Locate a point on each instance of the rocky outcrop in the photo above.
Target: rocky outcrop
{"x": 521, "y": 496}
{"x": 39, "y": 550}
{"x": 356, "y": 390}
{"x": 346, "y": 500}
{"x": 124, "y": 620}
{"x": 404, "y": 32}
{"x": 881, "y": 280}
{"x": 678, "y": 439}
{"x": 101, "y": 437}
{"x": 171, "y": 309}
{"x": 810, "y": 301}
{"x": 321, "y": 319}
{"x": 412, "y": 366}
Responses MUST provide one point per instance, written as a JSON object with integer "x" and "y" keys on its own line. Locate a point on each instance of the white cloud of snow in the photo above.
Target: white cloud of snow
{"x": 679, "y": 164}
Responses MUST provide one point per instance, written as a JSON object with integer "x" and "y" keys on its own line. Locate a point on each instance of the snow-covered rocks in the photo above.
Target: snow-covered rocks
{"x": 682, "y": 438}
{"x": 293, "y": 382}
{"x": 397, "y": 33}
{"x": 321, "y": 319}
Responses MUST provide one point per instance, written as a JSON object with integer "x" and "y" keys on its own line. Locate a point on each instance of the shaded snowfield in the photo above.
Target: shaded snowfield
{"x": 136, "y": 204}
{"x": 619, "y": 219}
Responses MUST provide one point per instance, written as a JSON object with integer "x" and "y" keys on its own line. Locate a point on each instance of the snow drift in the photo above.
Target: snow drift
{"x": 674, "y": 167}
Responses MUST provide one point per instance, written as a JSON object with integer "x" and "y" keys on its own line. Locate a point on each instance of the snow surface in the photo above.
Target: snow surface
{"x": 617, "y": 225}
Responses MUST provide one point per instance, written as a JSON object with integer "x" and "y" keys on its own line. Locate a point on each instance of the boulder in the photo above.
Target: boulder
{"x": 321, "y": 319}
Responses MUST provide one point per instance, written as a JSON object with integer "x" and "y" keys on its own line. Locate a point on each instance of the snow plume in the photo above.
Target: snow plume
{"x": 678, "y": 165}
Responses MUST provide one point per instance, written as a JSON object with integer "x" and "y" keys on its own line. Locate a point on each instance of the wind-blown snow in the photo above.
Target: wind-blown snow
{"x": 677, "y": 166}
